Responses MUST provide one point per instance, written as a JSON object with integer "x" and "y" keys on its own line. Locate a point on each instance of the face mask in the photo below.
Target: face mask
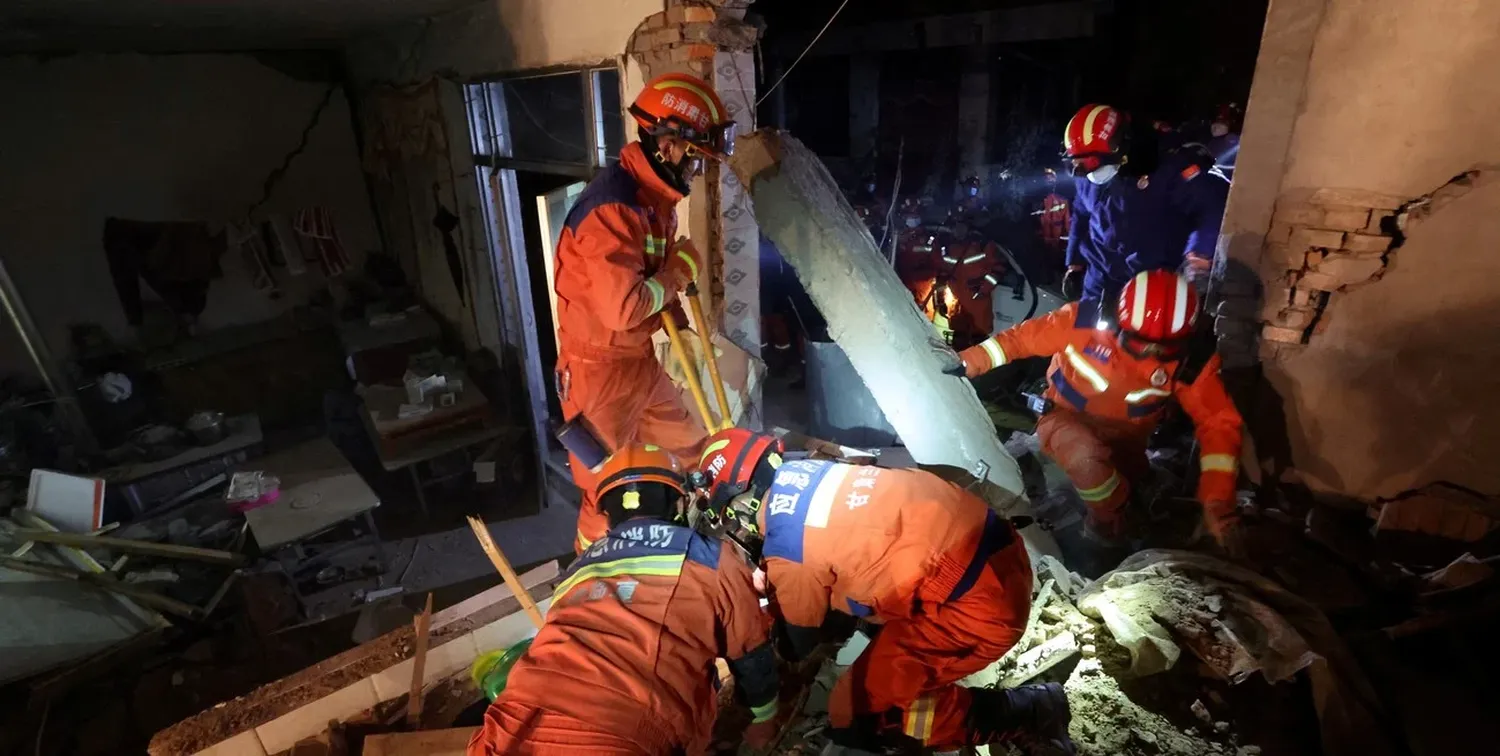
{"x": 1218, "y": 129}
{"x": 913, "y": 222}
{"x": 1103, "y": 174}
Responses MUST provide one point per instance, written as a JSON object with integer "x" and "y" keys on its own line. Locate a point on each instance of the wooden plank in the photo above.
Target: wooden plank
{"x": 140, "y": 595}
{"x": 494, "y": 595}
{"x": 168, "y": 550}
{"x": 452, "y": 742}
{"x": 422, "y": 623}
{"x": 508, "y": 573}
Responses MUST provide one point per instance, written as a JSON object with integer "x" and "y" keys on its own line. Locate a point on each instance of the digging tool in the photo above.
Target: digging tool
{"x": 491, "y": 671}
{"x": 690, "y": 371}
{"x": 502, "y": 565}
{"x": 695, "y": 300}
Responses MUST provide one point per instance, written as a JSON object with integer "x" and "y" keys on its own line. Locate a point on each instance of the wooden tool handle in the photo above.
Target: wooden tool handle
{"x": 502, "y": 565}
{"x": 695, "y": 300}
{"x": 689, "y": 370}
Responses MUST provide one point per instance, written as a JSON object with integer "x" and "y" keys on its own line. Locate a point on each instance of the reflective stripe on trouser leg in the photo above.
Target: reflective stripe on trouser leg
{"x": 917, "y": 722}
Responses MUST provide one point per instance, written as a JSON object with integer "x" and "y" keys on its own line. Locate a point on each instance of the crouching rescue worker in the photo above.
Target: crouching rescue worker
{"x": 625, "y": 664}
{"x": 1107, "y": 387}
{"x": 619, "y": 268}
{"x": 949, "y": 579}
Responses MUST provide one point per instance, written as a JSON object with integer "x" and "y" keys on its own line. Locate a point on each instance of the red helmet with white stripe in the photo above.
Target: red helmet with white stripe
{"x": 731, "y": 459}
{"x": 1097, "y": 135}
{"x": 1157, "y": 307}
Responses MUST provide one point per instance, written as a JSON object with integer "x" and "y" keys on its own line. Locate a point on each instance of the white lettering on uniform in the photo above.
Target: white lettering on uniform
{"x": 797, "y": 480}
{"x": 857, "y": 500}
{"x": 783, "y": 504}
{"x": 864, "y": 483}
{"x": 661, "y": 536}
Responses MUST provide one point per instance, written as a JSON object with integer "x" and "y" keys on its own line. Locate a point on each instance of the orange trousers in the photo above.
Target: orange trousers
{"x": 625, "y": 401}
{"x": 512, "y": 729}
{"x": 1101, "y": 457}
{"x": 912, "y": 666}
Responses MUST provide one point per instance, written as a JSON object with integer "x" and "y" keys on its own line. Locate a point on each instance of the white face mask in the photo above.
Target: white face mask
{"x": 913, "y": 222}
{"x": 1103, "y": 174}
{"x": 1218, "y": 129}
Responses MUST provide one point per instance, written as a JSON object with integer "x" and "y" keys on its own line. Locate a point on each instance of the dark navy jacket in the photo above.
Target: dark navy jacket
{"x": 1141, "y": 223}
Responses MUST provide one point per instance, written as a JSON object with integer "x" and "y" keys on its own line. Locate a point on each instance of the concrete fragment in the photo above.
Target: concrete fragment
{"x": 1221, "y": 727}
{"x": 1316, "y": 237}
{"x": 1440, "y": 510}
{"x": 872, "y": 317}
{"x": 1317, "y": 280}
{"x": 1042, "y": 658}
{"x": 1200, "y": 711}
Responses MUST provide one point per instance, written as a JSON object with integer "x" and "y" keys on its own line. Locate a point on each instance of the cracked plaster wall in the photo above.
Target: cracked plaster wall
{"x": 1377, "y": 268}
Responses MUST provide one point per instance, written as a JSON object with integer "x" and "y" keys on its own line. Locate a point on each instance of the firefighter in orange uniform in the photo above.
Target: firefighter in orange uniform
{"x": 1056, "y": 218}
{"x": 971, "y": 267}
{"x": 625, "y": 664}
{"x": 916, "y": 255}
{"x": 620, "y": 268}
{"x": 1108, "y": 385}
{"x": 950, "y": 580}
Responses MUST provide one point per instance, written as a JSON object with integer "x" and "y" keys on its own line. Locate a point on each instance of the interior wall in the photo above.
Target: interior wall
{"x": 160, "y": 138}
{"x": 1391, "y": 389}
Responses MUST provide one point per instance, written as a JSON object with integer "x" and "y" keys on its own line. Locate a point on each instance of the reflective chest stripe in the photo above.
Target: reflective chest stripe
{"x": 973, "y": 258}
{"x": 1086, "y": 369}
{"x": 1141, "y": 395}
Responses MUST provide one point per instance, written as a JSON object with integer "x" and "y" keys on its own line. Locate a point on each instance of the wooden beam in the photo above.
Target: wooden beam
{"x": 107, "y": 582}
{"x": 452, "y": 742}
{"x": 167, "y": 550}
{"x": 423, "y": 624}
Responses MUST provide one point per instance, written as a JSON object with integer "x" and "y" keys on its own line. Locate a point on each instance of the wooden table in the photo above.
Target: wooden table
{"x": 403, "y": 444}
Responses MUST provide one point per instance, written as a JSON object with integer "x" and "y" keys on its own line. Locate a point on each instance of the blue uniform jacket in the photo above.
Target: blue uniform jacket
{"x": 1133, "y": 224}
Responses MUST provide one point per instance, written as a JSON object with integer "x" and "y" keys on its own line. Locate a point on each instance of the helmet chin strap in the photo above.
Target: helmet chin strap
{"x": 678, "y": 175}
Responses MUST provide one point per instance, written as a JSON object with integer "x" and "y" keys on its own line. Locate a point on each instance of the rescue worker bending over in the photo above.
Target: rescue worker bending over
{"x": 625, "y": 664}
{"x": 1108, "y": 385}
{"x": 949, "y": 579}
{"x": 620, "y": 265}
{"x": 1135, "y": 207}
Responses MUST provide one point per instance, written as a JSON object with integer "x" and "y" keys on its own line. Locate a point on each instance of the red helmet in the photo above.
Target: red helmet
{"x": 1096, "y": 136}
{"x": 640, "y": 480}
{"x": 730, "y": 458}
{"x": 1156, "y": 308}
{"x": 686, "y": 107}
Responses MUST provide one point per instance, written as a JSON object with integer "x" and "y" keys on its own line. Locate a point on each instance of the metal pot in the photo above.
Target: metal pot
{"x": 207, "y": 427}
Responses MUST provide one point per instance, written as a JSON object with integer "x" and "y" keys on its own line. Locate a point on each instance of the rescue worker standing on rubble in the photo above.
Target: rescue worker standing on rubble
{"x": 1107, "y": 388}
{"x": 970, "y": 267}
{"x": 625, "y": 664}
{"x": 1136, "y": 207}
{"x": 949, "y": 579}
{"x": 620, "y": 267}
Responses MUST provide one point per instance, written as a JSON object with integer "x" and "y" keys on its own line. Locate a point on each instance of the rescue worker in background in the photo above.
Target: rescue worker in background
{"x": 971, "y": 267}
{"x": 620, "y": 267}
{"x": 1107, "y": 387}
{"x": 1056, "y": 217}
{"x": 1135, "y": 207}
{"x": 971, "y": 206}
{"x": 916, "y": 253}
{"x": 625, "y": 664}
{"x": 948, "y": 578}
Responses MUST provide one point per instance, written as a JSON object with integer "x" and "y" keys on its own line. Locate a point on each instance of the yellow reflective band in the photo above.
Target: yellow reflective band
{"x": 774, "y": 460}
{"x": 1140, "y": 395}
{"x": 995, "y": 351}
{"x": 973, "y": 258}
{"x": 1102, "y": 491}
{"x": 1089, "y": 371}
{"x": 658, "y": 294}
{"x": 651, "y": 447}
{"x": 713, "y": 447}
{"x": 993, "y": 281}
{"x": 950, "y": 260}
{"x": 654, "y": 245}
{"x": 713, "y": 110}
{"x": 692, "y": 264}
{"x": 918, "y": 720}
{"x": 666, "y": 566}
{"x": 583, "y": 543}
{"x": 631, "y": 500}
{"x": 1219, "y": 463}
{"x": 763, "y": 713}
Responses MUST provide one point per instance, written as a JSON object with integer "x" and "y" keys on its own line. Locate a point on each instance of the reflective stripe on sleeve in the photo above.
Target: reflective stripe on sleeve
{"x": 995, "y": 351}
{"x": 991, "y": 278}
{"x": 973, "y": 258}
{"x": 691, "y": 263}
{"x": 658, "y": 294}
{"x": 1219, "y": 463}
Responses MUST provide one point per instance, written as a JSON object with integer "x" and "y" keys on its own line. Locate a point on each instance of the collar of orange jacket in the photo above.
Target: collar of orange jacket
{"x": 633, "y": 158}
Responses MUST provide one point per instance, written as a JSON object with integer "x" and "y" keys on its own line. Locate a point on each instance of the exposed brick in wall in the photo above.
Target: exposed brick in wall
{"x": 711, "y": 40}
{"x": 1328, "y": 241}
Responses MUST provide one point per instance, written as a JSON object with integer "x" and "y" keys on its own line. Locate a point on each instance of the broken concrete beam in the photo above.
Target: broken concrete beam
{"x": 870, "y": 314}
{"x": 1043, "y": 657}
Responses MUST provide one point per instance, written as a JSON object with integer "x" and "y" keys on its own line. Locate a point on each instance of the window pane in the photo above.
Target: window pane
{"x": 607, "y": 83}
{"x": 546, "y": 118}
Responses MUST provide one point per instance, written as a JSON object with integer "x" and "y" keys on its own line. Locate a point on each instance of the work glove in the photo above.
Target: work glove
{"x": 681, "y": 267}
{"x": 1072, "y": 283}
{"x": 977, "y": 361}
{"x": 1197, "y": 269}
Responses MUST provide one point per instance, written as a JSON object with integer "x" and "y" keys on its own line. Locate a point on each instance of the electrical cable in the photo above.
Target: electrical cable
{"x": 803, "y": 55}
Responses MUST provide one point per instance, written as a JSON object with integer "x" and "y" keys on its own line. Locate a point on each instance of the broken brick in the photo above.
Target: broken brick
{"x": 1312, "y": 258}
{"x": 1365, "y": 243}
{"x": 655, "y": 21}
{"x": 698, "y": 14}
{"x": 1298, "y": 214}
{"x": 1349, "y": 270}
{"x": 1314, "y": 237}
{"x": 1279, "y": 233}
{"x": 1299, "y": 319}
{"x": 1318, "y": 281}
{"x": 1281, "y": 335}
{"x": 1346, "y": 218}
{"x": 1303, "y": 297}
{"x": 1355, "y": 197}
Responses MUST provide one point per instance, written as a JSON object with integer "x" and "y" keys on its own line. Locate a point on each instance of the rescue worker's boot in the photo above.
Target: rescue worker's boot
{"x": 1036, "y": 716}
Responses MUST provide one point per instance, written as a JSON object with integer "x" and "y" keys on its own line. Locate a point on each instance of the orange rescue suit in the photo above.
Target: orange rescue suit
{"x": 972, "y": 269}
{"x": 950, "y": 580}
{"x": 614, "y": 278}
{"x": 1056, "y": 222}
{"x": 625, "y": 664}
{"x": 1107, "y": 402}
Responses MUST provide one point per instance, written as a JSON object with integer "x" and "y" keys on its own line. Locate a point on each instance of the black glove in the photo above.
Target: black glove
{"x": 1072, "y": 284}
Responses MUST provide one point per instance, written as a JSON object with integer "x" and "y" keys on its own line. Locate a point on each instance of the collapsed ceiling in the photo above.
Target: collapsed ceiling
{"x": 189, "y": 25}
